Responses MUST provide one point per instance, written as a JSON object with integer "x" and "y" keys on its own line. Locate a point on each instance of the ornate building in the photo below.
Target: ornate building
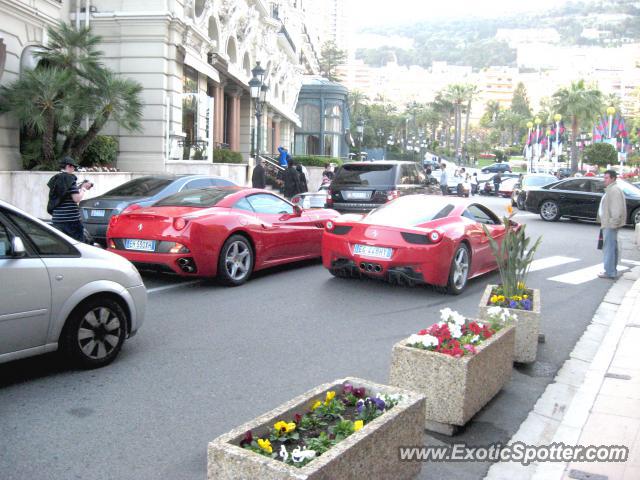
{"x": 194, "y": 59}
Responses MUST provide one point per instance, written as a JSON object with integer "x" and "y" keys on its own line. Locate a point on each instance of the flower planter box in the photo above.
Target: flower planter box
{"x": 455, "y": 388}
{"x": 369, "y": 453}
{"x": 527, "y": 326}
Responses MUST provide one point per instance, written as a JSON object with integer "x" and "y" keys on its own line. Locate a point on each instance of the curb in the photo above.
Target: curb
{"x": 562, "y": 410}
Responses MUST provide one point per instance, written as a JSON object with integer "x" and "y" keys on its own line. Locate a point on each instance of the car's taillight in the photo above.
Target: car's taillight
{"x": 178, "y": 248}
{"x": 434, "y": 236}
{"x": 131, "y": 208}
{"x": 392, "y": 195}
{"x": 112, "y": 244}
{"x": 329, "y": 197}
{"x": 329, "y": 225}
{"x": 179, "y": 223}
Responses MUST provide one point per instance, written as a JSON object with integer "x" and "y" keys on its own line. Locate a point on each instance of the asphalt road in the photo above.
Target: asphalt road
{"x": 209, "y": 358}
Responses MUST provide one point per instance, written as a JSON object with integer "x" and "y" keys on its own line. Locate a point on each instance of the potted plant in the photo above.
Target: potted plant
{"x": 514, "y": 256}
{"x": 458, "y": 364}
{"x": 350, "y": 428}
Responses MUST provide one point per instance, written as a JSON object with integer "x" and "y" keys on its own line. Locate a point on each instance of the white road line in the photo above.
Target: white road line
{"x": 630, "y": 262}
{"x": 583, "y": 275}
{"x": 169, "y": 287}
{"x": 549, "y": 262}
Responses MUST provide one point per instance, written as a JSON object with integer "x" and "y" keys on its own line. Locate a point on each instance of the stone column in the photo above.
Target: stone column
{"x": 219, "y": 108}
{"x": 276, "y": 136}
{"x": 234, "y": 119}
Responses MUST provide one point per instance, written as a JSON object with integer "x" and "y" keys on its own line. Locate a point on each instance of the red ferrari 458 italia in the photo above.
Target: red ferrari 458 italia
{"x": 227, "y": 232}
{"x": 415, "y": 239}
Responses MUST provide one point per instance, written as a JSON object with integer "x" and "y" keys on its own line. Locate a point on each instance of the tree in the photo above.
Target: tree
{"x": 68, "y": 85}
{"x": 330, "y": 57}
{"x": 457, "y": 95}
{"x": 357, "y": 100}
{"x": 520, "y": 102}
{"x": 579, "y": 103}
{"x": 472, "y": 93}
{"x": 601, "y": 154}
{"x": 491, "y": 113}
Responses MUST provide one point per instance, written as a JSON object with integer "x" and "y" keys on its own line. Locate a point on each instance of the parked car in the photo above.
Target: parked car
{"x": 578, "y": 198}
{"x": 415, "y": 239}
{"x": 497, "y": 168}
{"x": 361, "y": 187}
{"x": 528, "y": 181}
{"x": 485, "y": 185}
{"x": 143, "y": 191}
{"x": 228, "y": 232}
{"x": 506, "y": 187}
{"x": 58, "y": 293}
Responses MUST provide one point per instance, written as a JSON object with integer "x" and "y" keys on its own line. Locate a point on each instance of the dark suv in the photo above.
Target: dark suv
{"x": 363, "y": 186}
{"x": 497, "y": 168}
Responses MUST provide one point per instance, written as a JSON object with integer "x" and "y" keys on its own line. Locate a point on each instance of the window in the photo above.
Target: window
{"x": 409, "y": 175}
{"x": 243, "y": 204}
{"x": 307, "y": 144}
{"x": 332, "y": 145}
{"x": 5, "y": 242}
{"x": 365, "y": 174}
{"x": 270, "y": 204}
{"x": 411, "y": 210}
{"x": 597, "y": 187}
{"x": 46, "y": 242}
{"x": 481, "y": 215}
{"x": 333, "y": 118}
{"x": 199, "y": 183}
{"x": 309, "y": 117}
{"x": 203, "y": 198}
{"x": 578, "y": 185}
{"x": 140, "y": 187}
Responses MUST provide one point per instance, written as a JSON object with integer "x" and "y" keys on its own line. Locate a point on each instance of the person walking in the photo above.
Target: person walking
{"x": 302, "y": 179}
{"x": 612, "y": 215}
{"x": 444, "y": 179}
{"x": 284, "y": 156}
{"x": 291, "y": 180}
{"x": 497, "y": 181}
{"x": 258, "y": 177}
{"x": 64, "y": 196}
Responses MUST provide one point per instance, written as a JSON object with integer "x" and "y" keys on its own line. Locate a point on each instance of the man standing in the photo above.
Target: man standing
{"x": 258, "y": 177}
{"x": 497, "y": 180}
{"x": 612, "y": 214}
{"x": 291, "y": 180}
{"x": 64, "y": 196}
{"x": 444, "y": 179}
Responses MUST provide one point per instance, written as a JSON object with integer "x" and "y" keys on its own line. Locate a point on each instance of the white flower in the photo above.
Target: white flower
{"x": 445, "y": 313}
{"x": 298, "y": 455}
{"x": 494, "y": 311}
{"x": 283, "y": 453}
{"x": 458, "y": 319}
{"x": 456, "y": 330}
{"x": 428, "y": 341}
{"x": 413, "y": 339}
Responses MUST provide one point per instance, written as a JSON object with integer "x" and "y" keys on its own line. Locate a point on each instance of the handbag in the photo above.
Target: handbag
{"x": 600, "y": 240}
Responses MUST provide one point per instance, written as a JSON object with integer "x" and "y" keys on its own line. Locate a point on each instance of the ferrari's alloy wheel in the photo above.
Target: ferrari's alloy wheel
{"x": 549, "y": 211}
{"x": 459, "y": 270}
{"x": 236, "y": 261}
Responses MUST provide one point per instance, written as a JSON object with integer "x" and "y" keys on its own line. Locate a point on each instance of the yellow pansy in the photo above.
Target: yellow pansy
{"x": 265, "y": 445}
{"x": 525, "y": 296}
{"x": 501, "y": 298}
{"x": 316, "y": 405}
{"x": 291, "y": 426}
{"x": 284, "y": 427}
{"x": 494, "y": 299}
{"x": 357, "y": 425}
{"x": 330, "y": 396}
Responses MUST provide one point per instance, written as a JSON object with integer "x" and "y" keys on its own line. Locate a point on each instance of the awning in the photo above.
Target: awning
{"x": 201, "y": 66}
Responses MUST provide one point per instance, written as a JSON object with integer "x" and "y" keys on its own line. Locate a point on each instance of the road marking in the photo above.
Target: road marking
{"x": 583, "y": 275}
{"x": 525, "y": 214}
{"x": 169, "y": 287}
{"x": 549, "y": 262}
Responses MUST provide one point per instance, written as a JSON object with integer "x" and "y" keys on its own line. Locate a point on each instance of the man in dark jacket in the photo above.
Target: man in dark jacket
{"x": 497, "y": 180}
{"x": 64, "y": 196}
{"x": 258, "y": 178}
{"x": 303, "y": 179}
{"x": 291, "y": 180}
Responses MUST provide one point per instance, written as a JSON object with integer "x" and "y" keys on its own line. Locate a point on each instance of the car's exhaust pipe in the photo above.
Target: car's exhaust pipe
{"x": 187, "y": 265}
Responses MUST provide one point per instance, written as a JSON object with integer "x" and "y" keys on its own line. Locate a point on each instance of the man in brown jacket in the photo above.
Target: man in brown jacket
{"x": 612, "y": 215}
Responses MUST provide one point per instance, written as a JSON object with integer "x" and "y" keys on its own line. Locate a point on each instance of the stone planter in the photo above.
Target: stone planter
{"x": 455, "y": 388}
{"x": 527, "y": 326}
{"x": 367, "y": 454}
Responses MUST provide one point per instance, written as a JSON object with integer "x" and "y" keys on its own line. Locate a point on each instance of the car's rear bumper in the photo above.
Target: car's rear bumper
{"x": 185, "y": 264}
{"x": 353, "y": 207}
{"x": 408, "y": 264}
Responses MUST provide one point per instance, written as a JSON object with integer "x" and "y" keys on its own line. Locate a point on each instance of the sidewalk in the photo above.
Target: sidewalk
{"x": 595, "y": 397}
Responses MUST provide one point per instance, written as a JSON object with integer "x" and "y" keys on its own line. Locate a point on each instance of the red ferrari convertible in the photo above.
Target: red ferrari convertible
{"x": 415, "y": 239}
{"x": 227, "y": 232}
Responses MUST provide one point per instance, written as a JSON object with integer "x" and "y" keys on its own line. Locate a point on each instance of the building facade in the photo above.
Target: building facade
{"x": 194, "y": 60}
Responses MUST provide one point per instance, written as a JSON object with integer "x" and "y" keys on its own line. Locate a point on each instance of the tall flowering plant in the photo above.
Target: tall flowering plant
{"x": 514, "y": 257}
{"x": 456, "y": 336}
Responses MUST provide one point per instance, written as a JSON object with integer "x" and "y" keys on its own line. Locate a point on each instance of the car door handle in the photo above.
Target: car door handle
{"x": 268, "y": 226}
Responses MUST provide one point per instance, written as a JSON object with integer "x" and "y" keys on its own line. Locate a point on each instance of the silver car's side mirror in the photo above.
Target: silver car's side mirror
{"x": 17, "y": 248}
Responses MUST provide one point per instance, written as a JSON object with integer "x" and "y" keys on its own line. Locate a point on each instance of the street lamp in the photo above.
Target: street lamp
{"x": 611, "y": 111}
{"x": 258, "y": 94}
{"x": 360, "y": 132}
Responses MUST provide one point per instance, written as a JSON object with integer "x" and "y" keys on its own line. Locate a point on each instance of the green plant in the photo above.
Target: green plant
{"x": 320, "y": 444}
{"x": 513, "y": 256}
{"x": 226, "y": 156}
{"x": 342, "y": 429}
{"x": 103, "y": 150}
{"x": 601, "y": 154}
{"x": 313, "y": 161}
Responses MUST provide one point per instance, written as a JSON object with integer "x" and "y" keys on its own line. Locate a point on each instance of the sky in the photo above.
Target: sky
{"x": 380, "y": 12}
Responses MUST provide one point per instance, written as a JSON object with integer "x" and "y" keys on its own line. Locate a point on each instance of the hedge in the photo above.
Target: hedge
{"x": 227, "y": 156}
{"x": 311, "y": 161}
{"x": 103, "y": 150}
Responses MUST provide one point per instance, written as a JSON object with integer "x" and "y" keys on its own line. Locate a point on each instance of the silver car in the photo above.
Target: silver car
{"x": 56, "y": 293}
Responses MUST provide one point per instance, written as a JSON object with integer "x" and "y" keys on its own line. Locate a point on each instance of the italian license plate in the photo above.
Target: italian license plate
{"x": 97, "y": 213}
{"x": 369, "y": 251}
{"x": 141, "y": 245}
{"x": 357, "y": 195}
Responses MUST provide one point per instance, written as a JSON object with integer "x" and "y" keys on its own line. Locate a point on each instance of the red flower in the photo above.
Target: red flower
{"x": 359, "y": 392}
{"x": 423, "y": 332}
{"x": 475, "y": 328}
{"x": 296, "y": 418}
{"x": 487, "y": 332}
{"x": 248, "y": 438}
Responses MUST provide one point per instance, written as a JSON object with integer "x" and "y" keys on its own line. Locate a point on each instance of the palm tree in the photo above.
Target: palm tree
{"x": 357, "y": 99}
{"x": 472, "y": 93}
{"x": 579, "y": 103}
{"x": 37, "y": 102}
{"x": 457, "y": 95}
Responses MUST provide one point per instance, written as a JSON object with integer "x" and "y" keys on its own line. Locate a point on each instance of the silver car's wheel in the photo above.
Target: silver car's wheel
{"x": 636, "y": 217}
{"x": 549, "y": 211}
{"x": 95, "y": 332}
{"x": 459, "y": 273}
{"x": 236, "y": 261}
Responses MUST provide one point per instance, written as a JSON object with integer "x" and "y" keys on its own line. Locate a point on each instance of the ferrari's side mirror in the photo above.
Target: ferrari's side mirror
{"x": 297, "y": 210}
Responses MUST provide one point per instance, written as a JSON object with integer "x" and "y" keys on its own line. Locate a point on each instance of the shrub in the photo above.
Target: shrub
{"x": 313, "y": 161}
{"x": 103, "y": 150}
{"x": 601, "y": 154}
{"x": 227, "y": 156}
